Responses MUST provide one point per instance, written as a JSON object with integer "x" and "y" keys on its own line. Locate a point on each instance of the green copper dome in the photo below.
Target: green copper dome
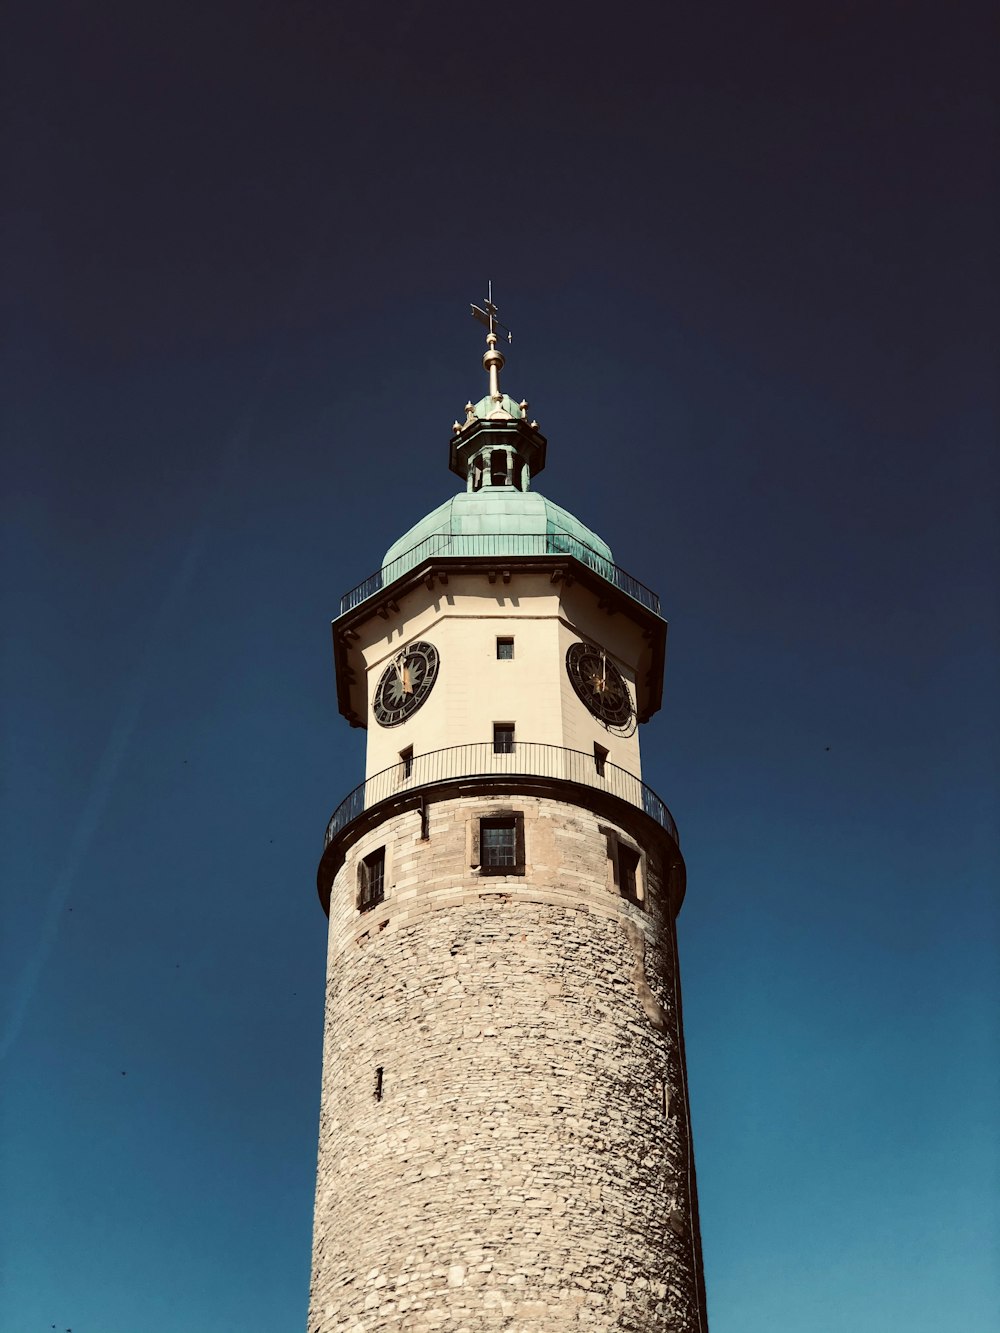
{"x": 495, "y": 521}
{"x": 487, "y": 408}
{"x": 497, "y": 451}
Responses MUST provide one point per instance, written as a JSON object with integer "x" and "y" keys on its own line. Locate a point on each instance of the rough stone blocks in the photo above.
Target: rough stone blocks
{"x": 503, "y": 1137}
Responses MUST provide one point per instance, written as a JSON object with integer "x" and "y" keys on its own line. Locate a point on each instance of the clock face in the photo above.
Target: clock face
{"x": 601, "y": 686}
{"x": 405, "y": 683}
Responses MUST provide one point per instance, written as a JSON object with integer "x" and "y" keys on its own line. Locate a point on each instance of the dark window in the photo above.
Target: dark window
{"x": 503, "y": 738}
{"x": 498, "y": 467}
{"x": 371, "y": 880}
{"x": 628, "y": 873}
{"x": 378, "y": 1082}
{"x": 501, "y": 844}
{"x": 406, "y": 758}
{"x": 505, "y": 650}
{"x": 600, "y": 755}
{"x": 626, "y": 866}
{"x": 477, "y": 474}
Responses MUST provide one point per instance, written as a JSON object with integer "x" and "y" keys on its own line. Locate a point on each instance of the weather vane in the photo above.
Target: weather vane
{"x": 489, "y": 316}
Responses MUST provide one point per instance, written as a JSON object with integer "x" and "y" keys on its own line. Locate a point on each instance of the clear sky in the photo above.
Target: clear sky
{"x": 749, "y": 253}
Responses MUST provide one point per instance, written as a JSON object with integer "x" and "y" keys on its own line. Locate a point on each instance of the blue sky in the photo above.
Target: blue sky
{"x": 749, "y": 255}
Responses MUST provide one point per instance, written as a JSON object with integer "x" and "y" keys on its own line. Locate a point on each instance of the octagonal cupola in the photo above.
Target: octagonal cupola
{"x": 496, "y": 446}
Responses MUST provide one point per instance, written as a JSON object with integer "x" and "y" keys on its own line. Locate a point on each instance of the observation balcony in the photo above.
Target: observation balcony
{"x": 530, "y": 765}
{"x": 466, "y": 545}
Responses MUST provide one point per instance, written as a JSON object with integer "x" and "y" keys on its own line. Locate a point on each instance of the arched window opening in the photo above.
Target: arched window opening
{"x": 498, "y": 467}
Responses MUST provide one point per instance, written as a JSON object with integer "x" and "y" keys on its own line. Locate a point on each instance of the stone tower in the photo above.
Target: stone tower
{"x": 504, "y": 1133}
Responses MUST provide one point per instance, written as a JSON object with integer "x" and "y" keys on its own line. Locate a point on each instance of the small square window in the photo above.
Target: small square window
{"x": 371, "y": 880}
{"x": 600, "y": 756}
{"x": 505, "y": 649}
{"x": 406, "y": 759}
{"x": 501, "y": 844}
{"x": 503, "y": 738}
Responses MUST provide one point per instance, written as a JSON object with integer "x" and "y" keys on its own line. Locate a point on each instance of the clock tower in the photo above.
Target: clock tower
{"x": 505, "y": 1139}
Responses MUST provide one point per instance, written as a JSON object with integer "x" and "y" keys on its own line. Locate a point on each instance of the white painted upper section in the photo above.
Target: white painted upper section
{"x": 463, "y": 619}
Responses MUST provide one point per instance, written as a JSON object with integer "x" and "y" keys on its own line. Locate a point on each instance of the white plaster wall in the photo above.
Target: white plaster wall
{"x": 463, "y": 619}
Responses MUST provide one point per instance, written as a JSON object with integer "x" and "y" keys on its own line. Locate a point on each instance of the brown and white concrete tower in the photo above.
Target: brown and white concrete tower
{"x": 504, "y": 1134}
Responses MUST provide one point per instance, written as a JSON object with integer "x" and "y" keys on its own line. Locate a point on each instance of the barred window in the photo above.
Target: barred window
{"x": 371, "y": 880}
{"x": 501, "y": 844}
{"x": 498, "y": 845}
{"x": 503, "y": 738}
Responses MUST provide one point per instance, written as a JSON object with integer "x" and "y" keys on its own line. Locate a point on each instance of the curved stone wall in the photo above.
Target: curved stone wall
{"x": 503, "y": 1133}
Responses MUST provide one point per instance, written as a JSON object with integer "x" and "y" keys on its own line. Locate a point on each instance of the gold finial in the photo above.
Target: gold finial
{"x": 493, "y": 363}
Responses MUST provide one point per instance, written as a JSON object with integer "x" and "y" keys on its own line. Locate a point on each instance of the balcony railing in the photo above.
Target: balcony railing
{"x": 499, "y": 544}
{"x": 527, "y": 759}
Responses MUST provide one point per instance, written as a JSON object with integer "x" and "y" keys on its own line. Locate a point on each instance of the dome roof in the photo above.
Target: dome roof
{"x": 488, "y": 410}
{"x": 503, "y": 518}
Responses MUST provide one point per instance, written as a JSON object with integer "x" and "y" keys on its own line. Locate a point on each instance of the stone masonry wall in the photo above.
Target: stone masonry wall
{"x": 521, "y": 1161}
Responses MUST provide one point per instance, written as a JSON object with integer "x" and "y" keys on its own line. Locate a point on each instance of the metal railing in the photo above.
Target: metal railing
{"x": 500, "y": 544}
{"x": 528, "y": 759}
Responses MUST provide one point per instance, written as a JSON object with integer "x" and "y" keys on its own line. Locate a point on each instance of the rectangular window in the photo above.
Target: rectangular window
{"x": 628, "y": 873}
{"x": 600, "y": 755}
{"x": 505, "y": 649}
{"x": 501, "y": 844}
{"x": 497, "y": 845}
{"x": 406, "y": 759}
{"x": 503, "y": 738}
{"x": 498, "y": 468}
{"x": 371, "y": 880}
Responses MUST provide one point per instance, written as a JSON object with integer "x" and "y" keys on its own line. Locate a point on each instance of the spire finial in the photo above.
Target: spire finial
{"x": 493, "y": 361}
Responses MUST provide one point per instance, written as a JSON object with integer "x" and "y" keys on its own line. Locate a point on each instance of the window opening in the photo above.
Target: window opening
{"x": 499, "y": 844}
{"x": 628, "y": 873}
{"x": 378, "y": 1082}
{"x": 371, "y": 880}
{"x": 498, "y": 467}
{"x": 505, "y": 649}
{"x": 406, "y": 758}
{"x": 600, "y": 755}
{"x": 477, "y": 474}
{"x": 503, "y": 738}
{"x": 663, "y": 1096}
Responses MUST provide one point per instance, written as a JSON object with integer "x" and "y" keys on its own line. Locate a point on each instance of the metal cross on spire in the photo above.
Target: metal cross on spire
{"x": 489, "y": 316}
